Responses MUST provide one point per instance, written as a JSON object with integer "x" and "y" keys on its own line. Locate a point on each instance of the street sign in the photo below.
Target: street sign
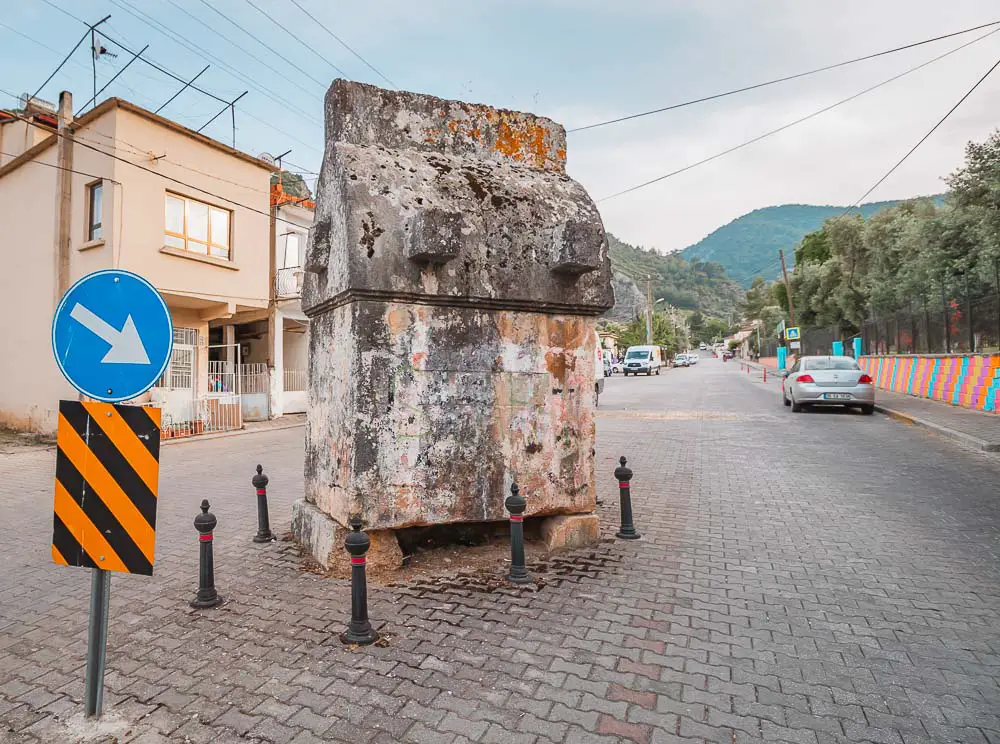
{"x": 792, "y": 333}
{"x": 107, "y": 476}
{"x": 795, "y": 345}
{"x": 112, "y": 335}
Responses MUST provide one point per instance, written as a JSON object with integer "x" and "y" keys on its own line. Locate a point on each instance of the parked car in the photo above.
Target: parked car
{"x": 680, "y": 360}
{"x": 607, "y": 365}
{"x": 827, "y": 381}
{"x": 693, "y": 357}
{"x": 639, "y": 359}
{"x": 703, "y": 346}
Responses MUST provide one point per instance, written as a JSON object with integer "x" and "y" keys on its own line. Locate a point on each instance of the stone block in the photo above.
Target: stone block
{"x": 323, "y": 539}
{"x": 566, "y": 531}
{"x": 454, "y": 278}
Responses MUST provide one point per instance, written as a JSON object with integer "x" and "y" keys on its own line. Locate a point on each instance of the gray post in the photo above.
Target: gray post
{"x": 97, "y": 643}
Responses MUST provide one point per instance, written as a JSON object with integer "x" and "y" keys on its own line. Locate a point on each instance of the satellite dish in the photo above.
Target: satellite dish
{"x": 267, "y": 157}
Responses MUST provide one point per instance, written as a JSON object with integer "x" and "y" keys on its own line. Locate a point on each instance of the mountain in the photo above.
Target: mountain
{"x": 748, "y": 246}
{"x": 689, "y": 285}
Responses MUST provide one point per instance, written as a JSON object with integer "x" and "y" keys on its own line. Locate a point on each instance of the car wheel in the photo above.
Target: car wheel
{"x": 867, "y": 410}
{"x": 785, "y": 400}
{"x": 649, "y": 372}
{"x": 796, "y": 407}
{"x": 657, "y": 370}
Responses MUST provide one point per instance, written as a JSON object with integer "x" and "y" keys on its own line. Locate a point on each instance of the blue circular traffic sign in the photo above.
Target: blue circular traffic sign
{"x": 112, "y": 335}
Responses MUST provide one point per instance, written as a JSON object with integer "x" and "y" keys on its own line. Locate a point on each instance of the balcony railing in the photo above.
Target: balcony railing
{"x": 288, "y": 282}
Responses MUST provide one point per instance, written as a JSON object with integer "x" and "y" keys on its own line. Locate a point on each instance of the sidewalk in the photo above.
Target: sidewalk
{"x": 974, "y": 428}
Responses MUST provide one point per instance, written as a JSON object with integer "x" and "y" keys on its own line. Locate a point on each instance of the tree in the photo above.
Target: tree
{"x": 634, "y": 333}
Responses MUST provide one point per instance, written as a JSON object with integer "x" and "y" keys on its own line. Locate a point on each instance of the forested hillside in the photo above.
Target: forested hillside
{"x": 748, "y": 246}
{"x": 689, "y": 285}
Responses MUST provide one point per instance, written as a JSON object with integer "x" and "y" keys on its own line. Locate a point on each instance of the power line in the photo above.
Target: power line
{"x": 256, "y": 38}
{"x": 185, "y": 184}
{"x": 269, "y": 17}
{"x": 791, "y": 124}
{"x": 781, "y": 79}
{"x": 241, "y": 48}
{"x": 343, "y": 43}
{"x": 927, "y": 136}
{"x": 166, "y": 31}
{"x": 152, "y": 23}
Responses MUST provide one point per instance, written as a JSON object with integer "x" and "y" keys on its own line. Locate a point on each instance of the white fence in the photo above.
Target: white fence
{"x": 295, "y": 380}
{"x": 207, "y": 413}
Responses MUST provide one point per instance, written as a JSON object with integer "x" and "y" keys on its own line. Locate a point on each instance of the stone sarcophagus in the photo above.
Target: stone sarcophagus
{"x": 454, "y": 277}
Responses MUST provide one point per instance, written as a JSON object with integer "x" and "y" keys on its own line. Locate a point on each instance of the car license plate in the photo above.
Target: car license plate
{"x": 837, "y": 396}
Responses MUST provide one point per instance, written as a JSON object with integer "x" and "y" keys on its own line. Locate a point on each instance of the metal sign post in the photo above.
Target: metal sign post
{"x": 97, "y": 643}
{"x": 112, "y": 337}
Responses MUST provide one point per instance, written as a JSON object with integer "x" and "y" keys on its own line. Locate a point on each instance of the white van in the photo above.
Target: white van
{"x": 639, "y": 359}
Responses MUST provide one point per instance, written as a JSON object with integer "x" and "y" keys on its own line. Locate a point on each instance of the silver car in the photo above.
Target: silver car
{"x": 827, "y": 381}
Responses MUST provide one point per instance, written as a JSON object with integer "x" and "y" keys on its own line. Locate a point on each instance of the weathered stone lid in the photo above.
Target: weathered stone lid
{"x": 361, "y": 114}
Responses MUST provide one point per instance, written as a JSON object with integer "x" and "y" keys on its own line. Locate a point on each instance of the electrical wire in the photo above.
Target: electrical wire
{"x": 282, "y": 74}
{"x": 256, "y": 38}
{"x": 343, "y": 43}
{"x": 926, "y": 136}
{"x": 781, "y": 79}
{"x": 297, "y": 38}
{"x": 791, "y": 124}
{"x": 185, "y": 184}
{"x": 166, "y": 31}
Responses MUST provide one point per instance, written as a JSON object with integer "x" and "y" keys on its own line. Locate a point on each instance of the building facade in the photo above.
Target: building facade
{"x": 121, "y": 187}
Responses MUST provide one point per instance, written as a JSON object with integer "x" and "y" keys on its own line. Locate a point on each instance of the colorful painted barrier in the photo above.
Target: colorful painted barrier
{"x": 967, "y": 380}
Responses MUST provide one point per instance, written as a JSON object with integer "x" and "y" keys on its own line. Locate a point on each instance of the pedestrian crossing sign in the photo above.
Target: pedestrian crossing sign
{"x": 792, "y": 333}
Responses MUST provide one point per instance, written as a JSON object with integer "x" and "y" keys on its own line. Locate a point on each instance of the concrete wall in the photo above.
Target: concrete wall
{"x": 966, "y": 380}
{"x": 30, "y": 382}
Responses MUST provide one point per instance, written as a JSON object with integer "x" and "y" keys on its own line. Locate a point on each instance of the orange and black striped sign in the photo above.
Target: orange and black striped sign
{"x": 107, "y": 477}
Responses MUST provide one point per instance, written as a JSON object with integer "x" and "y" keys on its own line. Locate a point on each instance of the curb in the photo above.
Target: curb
{"x": 980, "y": 444}
{"x": 226, "y": 434}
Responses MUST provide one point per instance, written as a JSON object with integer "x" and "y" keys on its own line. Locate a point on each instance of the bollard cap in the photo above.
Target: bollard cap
{"x": 260, "y": 480}
{"x": 516, "y": 503}
{"x": 206, "y": 521}
{"x": 623, "y": 473}
{"x": 357, "y": 542}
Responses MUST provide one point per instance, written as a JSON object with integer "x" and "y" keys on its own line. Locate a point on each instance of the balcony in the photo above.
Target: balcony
{"x": 288, "y": 283}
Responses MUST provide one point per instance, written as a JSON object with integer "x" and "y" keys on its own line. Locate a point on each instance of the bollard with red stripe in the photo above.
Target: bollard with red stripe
{"x": 624, "y": 476}
{"x": 260, "y": 482}
{"x": 516, "y": 504}
{"x": 359, "y": 632}
{"x": 205, "y": 524}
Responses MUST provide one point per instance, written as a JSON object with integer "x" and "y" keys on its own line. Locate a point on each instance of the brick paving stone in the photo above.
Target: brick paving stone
{"x": 843, "y": 589}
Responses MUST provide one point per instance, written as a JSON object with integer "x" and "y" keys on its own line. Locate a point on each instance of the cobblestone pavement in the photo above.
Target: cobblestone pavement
{"x": 818, "y": 578}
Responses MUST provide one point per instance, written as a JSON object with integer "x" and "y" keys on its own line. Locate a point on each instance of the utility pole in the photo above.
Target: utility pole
{"x": 64, "y": 192}
{"x": 788, "y": 293}
{"x": 649, "y": 310}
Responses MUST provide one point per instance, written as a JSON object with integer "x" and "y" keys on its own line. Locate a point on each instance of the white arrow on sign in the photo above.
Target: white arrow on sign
{"x": 126, "y": 346}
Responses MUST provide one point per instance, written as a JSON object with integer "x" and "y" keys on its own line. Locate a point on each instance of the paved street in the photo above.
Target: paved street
{"x": 810, "y": 578}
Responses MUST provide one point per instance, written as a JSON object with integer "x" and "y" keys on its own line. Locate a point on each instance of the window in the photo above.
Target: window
{"x": 834, "y": 363}
{"x": 196, "y": 227}
{"x": 291, "y": 251}
{"x": 95, "y": 210}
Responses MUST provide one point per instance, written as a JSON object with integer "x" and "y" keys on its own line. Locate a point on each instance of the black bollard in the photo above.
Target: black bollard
{"x": 516, "y": 504}
{"x": 205, "y": 524}
{"x": 263, "y": 520}
{"x": 624, "y": 475}
{"x": 359, "y": 631}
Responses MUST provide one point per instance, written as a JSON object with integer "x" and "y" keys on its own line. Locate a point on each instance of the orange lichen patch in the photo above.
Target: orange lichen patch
{"x": 522, "y": 140}
{"x": 559, "y": 363}
{"x": 418, "y": 359}
{"x": 398, "y": 320}
{"x": 561, "y": 155}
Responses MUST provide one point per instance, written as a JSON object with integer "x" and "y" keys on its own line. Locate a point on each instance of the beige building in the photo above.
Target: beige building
{"x": 121, "y": 187}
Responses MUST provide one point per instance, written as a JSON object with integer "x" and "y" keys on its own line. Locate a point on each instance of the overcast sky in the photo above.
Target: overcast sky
{"x": 577, "y": 61}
